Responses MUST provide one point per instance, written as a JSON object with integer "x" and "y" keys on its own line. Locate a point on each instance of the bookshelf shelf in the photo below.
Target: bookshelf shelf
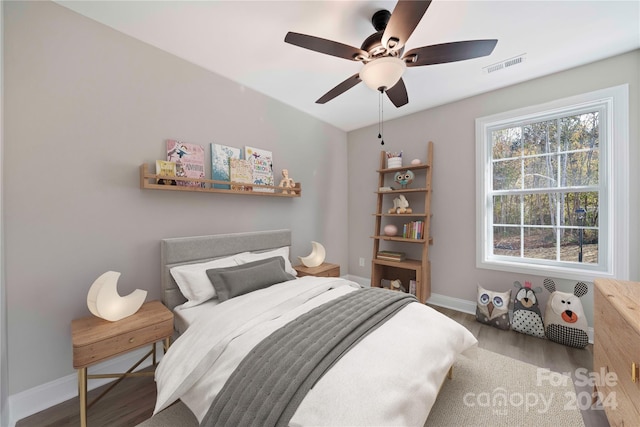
{"x": 148, "y": 181}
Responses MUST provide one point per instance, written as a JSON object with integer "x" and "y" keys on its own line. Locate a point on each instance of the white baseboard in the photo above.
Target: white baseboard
{"x": 462, "y": 305}
{"x": 44, "y": 396}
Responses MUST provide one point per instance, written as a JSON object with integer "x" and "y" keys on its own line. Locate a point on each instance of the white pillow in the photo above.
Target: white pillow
{"x": 246, "y": 257}
{"x": 193, "y": 281}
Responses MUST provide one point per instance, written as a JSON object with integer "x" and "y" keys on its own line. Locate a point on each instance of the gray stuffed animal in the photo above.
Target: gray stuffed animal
{"x": 527, "y": 318}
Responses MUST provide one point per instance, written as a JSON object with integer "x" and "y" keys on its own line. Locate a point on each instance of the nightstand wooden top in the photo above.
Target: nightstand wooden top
{"x": 92, "y": 329}
{"x": 325, "y": 269}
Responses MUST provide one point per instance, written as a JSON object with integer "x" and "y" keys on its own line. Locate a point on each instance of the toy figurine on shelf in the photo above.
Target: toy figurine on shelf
{"x": 396, "y": 285}
{"x": 404, "y": 178}
{"x": 287, "y": 182}
{"x": 400, "y": 206}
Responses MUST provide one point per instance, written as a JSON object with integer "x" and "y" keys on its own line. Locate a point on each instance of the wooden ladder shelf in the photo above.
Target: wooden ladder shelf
{"x": 418, "y": 269}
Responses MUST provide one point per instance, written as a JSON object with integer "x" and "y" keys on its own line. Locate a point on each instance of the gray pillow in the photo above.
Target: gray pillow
{"x": 233, "y": 281}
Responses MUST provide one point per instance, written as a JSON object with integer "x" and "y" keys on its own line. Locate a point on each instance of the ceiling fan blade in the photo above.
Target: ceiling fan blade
{"x": 448, "y": 52}
{"x": 326, "y": 46}
{"x": 398, "y": 94}
{"x": 404, "y": 19}
{"x": 340, "y": 89}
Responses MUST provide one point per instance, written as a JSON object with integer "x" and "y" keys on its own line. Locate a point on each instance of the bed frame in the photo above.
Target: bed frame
{"x": 191, "y": 250}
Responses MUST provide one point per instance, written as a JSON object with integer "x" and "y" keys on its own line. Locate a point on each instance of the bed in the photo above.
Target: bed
{"x": 232, "y": 363}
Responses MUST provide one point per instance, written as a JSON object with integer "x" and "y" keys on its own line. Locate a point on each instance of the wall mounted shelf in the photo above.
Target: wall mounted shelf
{"x": 148, "y": 181}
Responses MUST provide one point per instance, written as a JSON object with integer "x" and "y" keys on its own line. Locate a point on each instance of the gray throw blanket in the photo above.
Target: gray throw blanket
{"x": 271, "y": 381}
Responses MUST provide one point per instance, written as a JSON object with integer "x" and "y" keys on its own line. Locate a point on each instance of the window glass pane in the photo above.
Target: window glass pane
{"x": 590, "y": 246}
{"x": 540, "y": 243}
{"x": 541, "y": 209}
{"x": 580, "y": 168}
{"x": 506, "y": 143}
{"x": 506, "y": 209}
{"x": 540, "y": 172}
{"x": 570, "y": 246}
{"x": 573, "y": 201}
{"x": 506, "y": 241}
{"x": 506, "y": 175}
{"x": 580, "y": 131}
{"x": 540, "y": 138}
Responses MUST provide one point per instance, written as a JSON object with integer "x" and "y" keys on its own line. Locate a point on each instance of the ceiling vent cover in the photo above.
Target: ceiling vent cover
{"x": 505, "y": 64}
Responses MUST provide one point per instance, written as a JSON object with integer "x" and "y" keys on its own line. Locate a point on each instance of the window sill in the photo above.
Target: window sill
{"x": 584, "y": 274}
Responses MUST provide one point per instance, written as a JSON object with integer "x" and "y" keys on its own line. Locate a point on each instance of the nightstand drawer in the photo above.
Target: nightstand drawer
{"x": 324, "y": 270}
{"x": 95, "y": 339}
{"x": 110, "y": 347}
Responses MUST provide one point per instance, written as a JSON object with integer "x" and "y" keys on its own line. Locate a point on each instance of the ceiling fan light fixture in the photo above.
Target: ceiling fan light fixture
{"x": 382, "y": 72}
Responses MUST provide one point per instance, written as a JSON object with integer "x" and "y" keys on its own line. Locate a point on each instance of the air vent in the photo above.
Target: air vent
{"x": 505, "y": 64}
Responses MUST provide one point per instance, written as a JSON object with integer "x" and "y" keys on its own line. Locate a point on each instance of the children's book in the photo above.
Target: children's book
{"x": 240, "y": 172}
{"x": 189, "y": 160}
{"x": 262, "y": 166}
{"x": 220, "y": 155}
{"x": 166, "y": 168}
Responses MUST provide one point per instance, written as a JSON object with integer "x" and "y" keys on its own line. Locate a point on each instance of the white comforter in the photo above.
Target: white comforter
{"x": 391, "y": 378}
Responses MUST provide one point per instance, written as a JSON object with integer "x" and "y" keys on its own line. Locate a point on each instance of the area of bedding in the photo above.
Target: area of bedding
{"x": 391, "y": 377}
{"x": 186, "y": 316}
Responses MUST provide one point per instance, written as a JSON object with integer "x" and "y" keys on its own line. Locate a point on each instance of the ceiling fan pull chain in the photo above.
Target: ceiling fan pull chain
{"x": 380, "y": 118}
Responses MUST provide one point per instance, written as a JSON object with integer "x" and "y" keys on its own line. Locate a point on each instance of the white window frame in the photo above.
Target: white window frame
{"x": 613, "y": 236}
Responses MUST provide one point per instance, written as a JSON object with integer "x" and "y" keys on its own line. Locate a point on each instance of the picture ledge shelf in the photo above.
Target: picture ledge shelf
{"x": 148, "y": 181}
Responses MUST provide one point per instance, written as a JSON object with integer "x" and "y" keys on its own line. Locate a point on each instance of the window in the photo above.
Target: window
{"x": 553, "y": 188}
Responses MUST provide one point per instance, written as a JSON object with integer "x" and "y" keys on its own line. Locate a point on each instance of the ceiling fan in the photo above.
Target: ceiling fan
{"x": 382, "y": 52}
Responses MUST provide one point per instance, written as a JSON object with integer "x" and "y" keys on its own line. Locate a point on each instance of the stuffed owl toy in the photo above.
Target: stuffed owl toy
{"x": 564, "y": 319}
{"x": 404, "y": 178}
{"x": 527, "y": 318}
{"x": 493, "y": 308}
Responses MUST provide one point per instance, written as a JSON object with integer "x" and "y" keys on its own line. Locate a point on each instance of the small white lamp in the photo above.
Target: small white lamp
{"x": 316, "y": 257}
{"x": 104, "y": 301}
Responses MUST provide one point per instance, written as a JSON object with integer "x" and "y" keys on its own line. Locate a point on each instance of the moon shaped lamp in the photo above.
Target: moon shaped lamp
{"x": 104, "y": 301}
{"x": 316, "y": 257}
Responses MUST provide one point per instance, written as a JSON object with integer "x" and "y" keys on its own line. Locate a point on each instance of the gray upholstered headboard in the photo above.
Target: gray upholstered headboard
{"x": 190, "y": 250}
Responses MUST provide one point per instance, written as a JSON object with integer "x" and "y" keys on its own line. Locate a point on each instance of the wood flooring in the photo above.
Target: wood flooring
{"x": 132, "y": 401}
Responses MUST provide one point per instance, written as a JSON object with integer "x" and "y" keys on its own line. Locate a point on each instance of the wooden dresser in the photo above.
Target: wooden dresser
{"x": 617, "y": 349}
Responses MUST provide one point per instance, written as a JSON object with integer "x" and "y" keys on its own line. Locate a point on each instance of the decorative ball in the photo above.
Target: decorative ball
{"x": 416, "y": 161}
{"x": 390, "y": 230}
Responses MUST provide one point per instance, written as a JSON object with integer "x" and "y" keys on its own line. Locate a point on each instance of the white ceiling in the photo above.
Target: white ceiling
{"x": 244, "y": 41}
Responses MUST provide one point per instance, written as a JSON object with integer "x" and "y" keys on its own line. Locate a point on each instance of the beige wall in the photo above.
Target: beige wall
{"x": 84, "y": 107}
{"x": 452, "y": 129}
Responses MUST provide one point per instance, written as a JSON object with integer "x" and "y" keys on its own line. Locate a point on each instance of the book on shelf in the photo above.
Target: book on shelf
{"x": 220, "y": 155}
{"x": 262, "y": 167}
{"x": 391, "y": 255}
{"x": 166, "y": 168}
{"x": 385, "y": 189}
{"x": 240, "y": 172}
{"x": 412, "y": 287}
{"x": 413, "y": 230}
{"x": 189, "y": 160}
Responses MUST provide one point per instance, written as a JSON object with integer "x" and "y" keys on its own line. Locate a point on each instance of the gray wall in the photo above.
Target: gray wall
{"x": 4, "y": 370}
{"x": 452, "y": 129}
{"x": 84, "y": 107}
